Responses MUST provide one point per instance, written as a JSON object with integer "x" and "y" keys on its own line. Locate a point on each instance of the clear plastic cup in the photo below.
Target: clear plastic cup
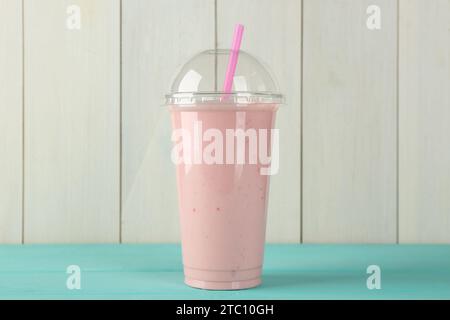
{"x": 223, "y": 155}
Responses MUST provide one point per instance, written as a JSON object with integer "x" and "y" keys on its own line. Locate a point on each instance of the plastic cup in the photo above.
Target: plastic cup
{"x": 222, "y": 142}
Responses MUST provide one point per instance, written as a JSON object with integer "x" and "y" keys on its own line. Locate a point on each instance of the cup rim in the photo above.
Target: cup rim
{"x": 220, "y": 97}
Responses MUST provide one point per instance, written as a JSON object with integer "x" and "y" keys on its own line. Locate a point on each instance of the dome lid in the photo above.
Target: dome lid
{"x": 200, "y": 80}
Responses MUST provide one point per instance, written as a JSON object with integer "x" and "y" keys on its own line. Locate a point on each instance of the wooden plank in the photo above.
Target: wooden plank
{"x": 10, "y": 121}
{"x": 72, "y": 114}
{"x": 424, "y": 114}
{"x": 349, "y": 136}
{"x": 158, "y": 36}
{"x": 290, "y": 272}
{"x": 273, "y": 34}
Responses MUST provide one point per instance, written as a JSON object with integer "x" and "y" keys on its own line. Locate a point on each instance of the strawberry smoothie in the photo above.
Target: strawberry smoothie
{"x": 223, "y": 104}
{"x": 223, "y": 205}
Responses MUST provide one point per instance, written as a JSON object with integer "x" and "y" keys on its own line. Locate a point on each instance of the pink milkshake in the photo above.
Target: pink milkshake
{"x": 221, "y": 147}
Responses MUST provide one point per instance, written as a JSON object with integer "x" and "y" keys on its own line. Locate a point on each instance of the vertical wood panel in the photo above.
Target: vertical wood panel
{"x": 10, "y": 121}
{"x": 273, "y": 34}
{"x": 424, "y": 116}
{"x": 72, "y": 122}
{"x": 158, "y": 36}
{"x": 349, "y": 122}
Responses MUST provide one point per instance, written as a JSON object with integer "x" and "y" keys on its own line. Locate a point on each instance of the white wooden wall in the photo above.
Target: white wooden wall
{"x": 424, "y": 121}
{"x": 350, "y": 122}
{"x": 273, "y": 33}
{"x": 10, "y": 121}
{"x": 71, "y": 122}
{"x": 150, "y": 59}
{"x": 85, "y": 140}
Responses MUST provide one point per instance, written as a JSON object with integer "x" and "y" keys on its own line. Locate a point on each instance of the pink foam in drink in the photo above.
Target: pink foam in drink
{"x": 221, "y": 150}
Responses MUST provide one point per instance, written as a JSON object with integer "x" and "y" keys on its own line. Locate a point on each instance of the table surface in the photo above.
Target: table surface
{"x": 291, "y": 271}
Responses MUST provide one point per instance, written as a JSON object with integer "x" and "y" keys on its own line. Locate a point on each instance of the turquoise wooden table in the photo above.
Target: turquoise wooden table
{"x": 290, "y": 272}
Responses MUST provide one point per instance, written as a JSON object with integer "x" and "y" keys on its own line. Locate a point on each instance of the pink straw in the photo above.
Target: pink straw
{"x": 234, "y": 54}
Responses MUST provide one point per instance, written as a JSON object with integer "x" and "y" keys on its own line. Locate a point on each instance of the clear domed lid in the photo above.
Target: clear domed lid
{"x": 201, "y": 80}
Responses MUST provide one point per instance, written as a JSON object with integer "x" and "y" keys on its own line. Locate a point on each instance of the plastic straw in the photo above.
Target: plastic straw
{"x": 234, "y": 54}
